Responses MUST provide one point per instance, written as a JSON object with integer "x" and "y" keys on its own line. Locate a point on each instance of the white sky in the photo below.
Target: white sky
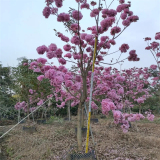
{"x": 23, "y": 28}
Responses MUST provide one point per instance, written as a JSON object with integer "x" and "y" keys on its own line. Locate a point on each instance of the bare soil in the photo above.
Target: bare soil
{"x": 51, "y": 141}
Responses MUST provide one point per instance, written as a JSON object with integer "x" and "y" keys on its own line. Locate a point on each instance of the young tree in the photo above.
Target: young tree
{"x": 6, "y": 91}
{"x": 82, "y": 48}
{"x": 30, "y": 90}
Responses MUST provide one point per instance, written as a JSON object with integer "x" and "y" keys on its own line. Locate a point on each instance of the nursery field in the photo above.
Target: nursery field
{"x": 51, "y": 141}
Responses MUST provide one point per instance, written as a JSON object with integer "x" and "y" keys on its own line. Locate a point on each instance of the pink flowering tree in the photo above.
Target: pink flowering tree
{"x": 79, "y": 48}
{"x": 27, "y": 79}
{"x": 136, "y": 89}
{"x": 154, "y": 48}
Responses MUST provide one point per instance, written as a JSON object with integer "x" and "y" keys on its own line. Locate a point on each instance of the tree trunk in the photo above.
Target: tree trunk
{"x": 159, "y": 106}
{"x": 140, "y": 109}
{"x": 42, "y": 114}
{"x": 28, "y": 110}
{"x": 68, "y": 111}
{"x": 82, "y": 117}
{"x": 79, "y": 126}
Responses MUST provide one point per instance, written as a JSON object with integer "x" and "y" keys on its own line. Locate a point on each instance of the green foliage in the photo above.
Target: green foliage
{"x": 63, "y": 111}
{"x": 53, "y": 119}
{"x": 6, "y": 92}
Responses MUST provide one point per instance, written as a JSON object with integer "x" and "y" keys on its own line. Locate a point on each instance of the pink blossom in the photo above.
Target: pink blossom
{"x": 94, "y": 12}
{"x": 107, "y": 106}
{"x": 41, "y": 60}
{"x": 117, "y": 116}
{"x": 40, "y": 102}
{"x": 58, "y": 3}
{"x": 88, "y": 49}
{"x": 130, "y": 13}
{"x": 31, "y": 91}
{"x": 94, "y": 106}
{"x": 49, "y": 2}
{"x": 104, "y": 16}
{"x": 121, "y": 1}
{"x": 157, "y": 36}
{"x": 112, "y": 41}
{"x": 133, "y": 56}
{"x": 150, "y": 117}
{"x": 121, "y": 91}
{"x": 158, "y": 54}
{"x": 124, "y": 48}
{"x": 58, "y": 80}
{"x": 63, "y": 17}
{"x": 54, "y": 10}
{"x": 62, "y": 105}
{"x": 42, "y": 49}
{"x": 77, "y": 15}
{"x": 153, "y": 67}
{"x": 83, "y": 35}
{"x": 68, "y": 83}
{"x": 85, "y": 5}
{"x": 19, "y": 105}
{"x": 119, "y": 8}
{"x": 111, "y": 13}
{"x": 147, "y": 38}
{"x": 37, "y": 70}
{"x": 133, "y": 18}
{"x": 76, "y": 86}
{"x": 46, "y": 12}
{"x": 107, "y": 22}
{"x": 123, "y": 16}
{"x": 46, "y": 68}
{"x": 78, "y": 78}
{"x": 58, "y": 52}
{"x": 51, "y": 54}
{"x": 75, "y": 40}
{"x": 93, "y": 3}
{"x": 67, "y": 47}
{"x": 25, "y": 64}
{"x": 64, "y": 38}
{"x": 140, "y": 100}
{"x": 126, "y": 10}
{"x": 52, "y": 47}
{"x": 104, "y": 38}
{"x": 120, "y": 78}
{"x": 74, "y": 27}
{"x": 62, "y": 61}
{"x": 126, "y": 22}
{"x": 104, "y": 11}
{"x": 154, "y": 45}
{"x": 88, "y": 37}
{"x": 100, "y": 58}
{"x": 155, "y": 78}
{"x": 68, "y": 55}
{"x": 40, "y": 78}
{"x": 115, "y": 30}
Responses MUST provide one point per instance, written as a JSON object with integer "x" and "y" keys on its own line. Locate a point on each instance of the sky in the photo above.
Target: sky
{"x": 23, "y": 28}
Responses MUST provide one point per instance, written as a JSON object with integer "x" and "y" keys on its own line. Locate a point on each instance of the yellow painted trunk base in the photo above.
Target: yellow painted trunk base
{"x": 88, "y": 127}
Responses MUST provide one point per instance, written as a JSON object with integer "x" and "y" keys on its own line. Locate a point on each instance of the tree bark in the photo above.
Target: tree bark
{"x": 68, "y": 111}
{"x": 79, "y": 126}
{"x": 82, "y": 116}
{"x": 140, "y": 109}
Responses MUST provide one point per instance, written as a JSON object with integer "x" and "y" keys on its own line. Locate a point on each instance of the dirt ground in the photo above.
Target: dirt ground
{"x": 52, "y": 141}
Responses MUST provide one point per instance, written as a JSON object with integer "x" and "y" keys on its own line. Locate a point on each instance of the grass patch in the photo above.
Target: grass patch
{"x": 156, "y": 121}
